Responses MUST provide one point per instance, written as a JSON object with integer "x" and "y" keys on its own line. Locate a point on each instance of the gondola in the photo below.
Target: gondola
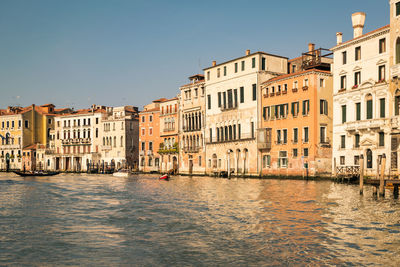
{"x": 36, "y": 173}
{"x": 164, "y": 177}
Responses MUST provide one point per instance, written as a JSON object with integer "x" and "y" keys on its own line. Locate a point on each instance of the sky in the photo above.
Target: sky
{"x": 75, "y": 53}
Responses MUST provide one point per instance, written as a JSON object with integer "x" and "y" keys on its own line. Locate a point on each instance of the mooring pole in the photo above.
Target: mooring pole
{"x": 361, "y": 174}
{"x": 382, "y": 178}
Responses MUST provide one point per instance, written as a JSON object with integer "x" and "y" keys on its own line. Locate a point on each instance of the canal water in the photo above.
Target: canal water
{"x": 100, "y": 220}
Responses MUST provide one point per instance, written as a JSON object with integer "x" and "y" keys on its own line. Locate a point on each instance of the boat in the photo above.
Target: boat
{"x": 122, "y": 173}
{"x": 36, "y": 173}
{"x": 164, "y": 177}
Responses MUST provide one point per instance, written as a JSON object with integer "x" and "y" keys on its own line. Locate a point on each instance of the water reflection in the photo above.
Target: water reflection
{"x": 103, "y": 220}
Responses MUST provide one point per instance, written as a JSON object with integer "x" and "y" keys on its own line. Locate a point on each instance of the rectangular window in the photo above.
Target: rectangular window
{"x": 143, "y": 146}
{"x": 358, "y": 53}
{"x": 283, "y": 160}
{"x": 305, "y": 152}
{"x": 242, "y": 94}
{"x": 151, "y": 146}
{"x": 239, "y": 131}
{"x": 208, "y": 75}
{"x": 306, "y": 107}
{"x": 356, "y": 141}
{"x": 211, "y": 137}
{"x": 342, "y": 141}
{"x": 209, "y": 101}
{"x": 382, "y": 108}
{"x": 278, "y": 136}
{"x": 322, "y": 134}
{"x": 218, "y": 72}
{"x": 252, "y": 130}
{"x": 236, "y": 67}
{"x": 224, "y": 99}
{"x": 381, "y": 73}
{"x": 224, "y": 70}
{"x": 295, "y": 152}
{"x": 382, "y": 46}
{"x": 253, "y": 62}
{"x": 356, "y": 160}
{"x": 342, "y": 160}
{"x": 358, "y": 111}
{"x": 323, "y": 107}
{"x": 230, "y": 98}
{"x": 343, "y": 82}
{"x": 254, "y": 92}
{"x": 357, "y": 78}
{"x": 295, "y": 109}
{"x": 235, "y": 97}
{"x": 306, "y": 139}
{"x": 344, "y": 57}
{"x": 321, "y": 83}
{"x": 397, "y": 8}
{"x": 219, "y": 99}
{"x": 343, "y": 113}
{"x": 381, "y": 139}
{"x": 369, "y": 109}
{"x": 295, "y": 135}
{"x": 243, "y": 65}
{"x": 285, "y": 136}
{"x": 263, "y": 63}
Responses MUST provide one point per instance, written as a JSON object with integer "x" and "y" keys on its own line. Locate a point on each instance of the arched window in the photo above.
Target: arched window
{"x": 369, "y": 159}
{"x": 115, "y": 141}
{"x": 398, "y": 50}
{"x": 368, "y": 100}
{"x": 397, "y": 103}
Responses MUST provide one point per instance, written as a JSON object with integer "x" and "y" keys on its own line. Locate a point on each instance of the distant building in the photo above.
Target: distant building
{"x": 232, "y": 111}
{"x": 296, "y": 124}
{"x": 361, "y": 98}
{"x": 192, "y": 126}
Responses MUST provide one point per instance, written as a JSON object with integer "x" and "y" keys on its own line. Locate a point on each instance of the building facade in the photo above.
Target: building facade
{"x": 149, "y": 137}
{"x": 169, "y": 134}
{"x": 296, "y": 124}
{"x": 362, "y": 100}
{"x": 232, "y": 111}
{"x": 192, "y": 126}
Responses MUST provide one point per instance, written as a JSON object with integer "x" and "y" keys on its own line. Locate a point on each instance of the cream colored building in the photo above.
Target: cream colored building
{"x": 362, "y": 101}
{"x": 191, "y": 134}
{"x": 120, "y": 137}
{"x": 233, "y": 111}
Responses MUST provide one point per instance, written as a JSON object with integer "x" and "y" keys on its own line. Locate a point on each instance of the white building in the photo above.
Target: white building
{"x": 120, "y": 137}
{"x": 232, "y": 111}
{"x": 361, "y": 122}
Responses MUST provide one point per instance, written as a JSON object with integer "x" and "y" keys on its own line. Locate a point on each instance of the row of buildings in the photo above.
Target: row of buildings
{"x": 257, "y": 114}
{"x": 264, "y": 114}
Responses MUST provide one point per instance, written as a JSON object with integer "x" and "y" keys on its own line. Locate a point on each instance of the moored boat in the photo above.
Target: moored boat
{"x": 36, "y": 173}
{"x": 122, "y": 173}
{"x": 164, "y": 177}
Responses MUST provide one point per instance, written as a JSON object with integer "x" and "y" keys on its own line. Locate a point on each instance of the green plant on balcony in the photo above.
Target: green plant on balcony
{"x": 165, "y": 150}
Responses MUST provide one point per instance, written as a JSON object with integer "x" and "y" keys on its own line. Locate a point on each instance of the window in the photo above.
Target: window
{"x": 305, "y": 137}
{"x": 254, "y": 92}
{"x": 305, "y": 152}
{"x": 369, "y": 106}
{"x": 252, "y": 130}
{"x": 278, "y": 136}
{"x": 397, "y": 103}
{"x": 97, "y": 120}
{"x": 151, "y": 146}
{"x": 295, "y": 152}
{"x": 381, "y": 73}
{"x": 143, "y": 118}
{"x": 397, "y": 8}
{"x": 381, "y": 139}
{"x": 209, "y": 101}
{"x": 356, "y": 160}
{"x": 306, "y": 107}
{"x": 242, "y": 94}
{"x": 224, "y": 70}
{"x": 356, "y": 141}
{"x": 357, "y": 78}
{"x": 322, "y": 83}
{"x": 143, "y": 131}
{"x": 143, "y": 146}
{"x": 151, "y": 131}
{"x": 295, "y": 85}
{"x": 263, "y": 63}
{"x": 358, "y": 111}
{"x": 243, "y": 65}
{"x": 343, "y": 82}
{"x": 200, "y": 161}
{"x": 397, "y": 51}
{"x": 253, "y": 62}
{"x": 211, "y": 137}
{"x": 295, "y": 135}
{"x": 305, "y": 82}
{"x": 342, "y": 141}
{"x": 218, "y": 72}
{"x": 150, "y": 118}
{"x": 26, "y": 124}
{"x": 344, "y": 57}
{"x": 382, "y": 108}
{"x": 323, "y": 107}
{"x": 236, "y": 67}
{"x": 219, "y": 99}
{"x": 322, "y": 134}
{"x": 342, "y": 160}
{"x": 283, "y": 160}
{"x": 208, "y": 75}
{"x": 343, "y": 113}
{"x": 358, "y": 53}
{"x": 266, "y": 161}
{"x": 285, "y": 136}
{"x": 382, "y": 46}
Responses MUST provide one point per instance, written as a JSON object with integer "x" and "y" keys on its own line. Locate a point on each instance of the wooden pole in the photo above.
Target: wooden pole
{"x": 361, "y": 174}
{"x": 382, "y": 178}
{"x": 334, "y": 168}
{"x": 377, "y": 168}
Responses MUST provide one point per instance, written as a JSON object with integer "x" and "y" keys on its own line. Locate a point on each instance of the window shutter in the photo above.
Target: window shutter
{"x": 369, "y": 109}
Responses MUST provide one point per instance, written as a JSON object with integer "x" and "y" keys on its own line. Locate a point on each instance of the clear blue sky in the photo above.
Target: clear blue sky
{"x": 115, "y": 52}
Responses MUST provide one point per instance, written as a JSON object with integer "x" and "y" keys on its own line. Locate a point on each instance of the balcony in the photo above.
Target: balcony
{"x": 395, "y": 71}
{"x": 294, "y": 90}
{"x": 76, "y": 141}
{"x": 141, "y": 153}
{"x": 10, "y": 146}
{"x": 106, "y": 147}
{"x": 366, "y": 124}
{"x": 195, "y": 149}
{"x": 264, "y": 138}
{"x": 325, "y": 144}
{"x": 168, "y": 130}
{"x": 305, "y": 88}
{"x": 149, "y": 153}
{"x": 168, "y": 149}
{"x": 228, "y": 107}
{"x": 243, "y": 137}
{"x": 189, "y": 129}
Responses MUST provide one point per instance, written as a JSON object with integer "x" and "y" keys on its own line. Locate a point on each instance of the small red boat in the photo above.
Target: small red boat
{"x": 164, "y": 177}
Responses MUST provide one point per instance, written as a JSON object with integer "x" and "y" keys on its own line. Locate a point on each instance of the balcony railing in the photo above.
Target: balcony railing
{"x": 231, "y": 106}
{"x": 76, "y": 141}
{"x": 193, "y": 129}
{"x": 167, "y": 130}
{"x": 107, "y": 147}
{"x": 366, "y": 124}
{"x": 242, "y": 137}
{"x": 195, "y": 149}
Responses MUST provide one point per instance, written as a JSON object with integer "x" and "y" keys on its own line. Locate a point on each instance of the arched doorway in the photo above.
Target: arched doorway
{"x": 369, "y": 159}
{"x": 175, "y": 164}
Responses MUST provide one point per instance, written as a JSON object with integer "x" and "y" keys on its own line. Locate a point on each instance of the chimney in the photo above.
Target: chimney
{"x": 339, "y": 38}
{"x": 247, "y": 52}
{"x": 311, "y": 47}
{"x": 358, "y": 20}
{"x": 214, "y": 63}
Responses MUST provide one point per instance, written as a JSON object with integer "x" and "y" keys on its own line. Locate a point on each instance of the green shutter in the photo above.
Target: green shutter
{"x": 343, "y": 113}
{"x": 358, "y": 111}
{"x": 382, "y": 107}
{"x": 369, "y": 109}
